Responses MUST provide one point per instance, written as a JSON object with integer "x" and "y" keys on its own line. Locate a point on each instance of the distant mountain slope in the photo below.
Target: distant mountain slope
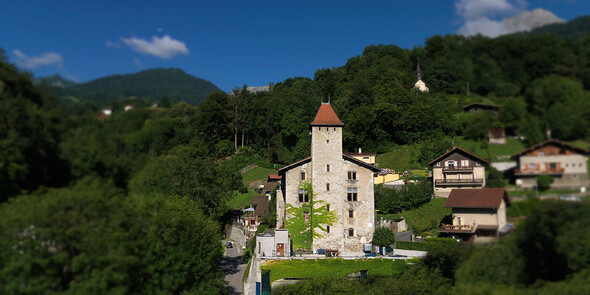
{"x": 154, "y": 84}
{"x": 572, "y": 30}
{"x": 55, "y": 81}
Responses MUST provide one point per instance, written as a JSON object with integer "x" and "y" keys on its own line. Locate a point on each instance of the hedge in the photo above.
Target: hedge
{"x": 430, "y": 244}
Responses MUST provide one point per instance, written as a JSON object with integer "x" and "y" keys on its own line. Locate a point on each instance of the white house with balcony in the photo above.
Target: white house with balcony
{"x": 457, "y": 169}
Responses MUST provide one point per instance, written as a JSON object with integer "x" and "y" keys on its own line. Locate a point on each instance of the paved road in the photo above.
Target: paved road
{"x": 233, "y": 266}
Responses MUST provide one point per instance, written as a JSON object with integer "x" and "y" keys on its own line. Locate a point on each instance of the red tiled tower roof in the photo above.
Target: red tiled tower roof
{"x": 326, "y": 117}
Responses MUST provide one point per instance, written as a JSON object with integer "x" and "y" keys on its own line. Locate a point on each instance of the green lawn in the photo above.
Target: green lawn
{"x": 425, "y": 218}
{"x": 501, "y": 152}
{"x": 400, "y": 159}
{"x": 332, "y": 268}
{"x": 257, "y": 173}
{"x": 240, "y": 201}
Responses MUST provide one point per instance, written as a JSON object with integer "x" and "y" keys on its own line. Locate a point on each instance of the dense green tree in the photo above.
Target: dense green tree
{"x": 383, "y": 237}
{"x": 494, "y": 178}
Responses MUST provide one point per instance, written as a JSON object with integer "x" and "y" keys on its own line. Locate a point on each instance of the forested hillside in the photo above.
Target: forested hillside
{"x": 573, "y": 30}
{"x": 135, "y": 203}
{"x": 56, "y": 81}
{"x": 152, "y": 84}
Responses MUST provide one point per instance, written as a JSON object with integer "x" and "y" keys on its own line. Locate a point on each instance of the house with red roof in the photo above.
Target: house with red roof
{"x": 567, "y": 164}
{"x": 457, "y": 169}
{"x": 477, "y": 213}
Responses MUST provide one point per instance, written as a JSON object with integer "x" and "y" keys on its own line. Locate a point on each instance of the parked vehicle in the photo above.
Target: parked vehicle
{"x": 229, "y": 245}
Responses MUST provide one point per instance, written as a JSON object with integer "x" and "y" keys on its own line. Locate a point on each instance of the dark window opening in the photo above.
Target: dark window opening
{"x": 302, "y": 175}
{"x": 350, "y": 213}
{"x": 350, "y": 232}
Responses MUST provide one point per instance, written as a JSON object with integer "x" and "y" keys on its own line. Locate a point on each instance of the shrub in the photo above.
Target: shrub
{"x": 544, "y": 182}
{"x": 383, "y": 237}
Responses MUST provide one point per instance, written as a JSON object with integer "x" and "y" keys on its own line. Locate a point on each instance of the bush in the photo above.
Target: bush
{"x": 383, "y": 237}
{"x": 544, "y": 182}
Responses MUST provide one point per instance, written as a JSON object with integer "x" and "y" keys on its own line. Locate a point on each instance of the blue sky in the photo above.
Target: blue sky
{"x": 232, "y": 43}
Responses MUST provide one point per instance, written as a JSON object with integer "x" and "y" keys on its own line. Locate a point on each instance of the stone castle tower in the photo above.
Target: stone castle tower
{"x": 342, "y": 182}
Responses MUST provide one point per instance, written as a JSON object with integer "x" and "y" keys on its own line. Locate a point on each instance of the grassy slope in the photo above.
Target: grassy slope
{"x": 494, "y": 152}
{"x": 401, "y": 158}
{"x": 425, "y": 218}
{"x": 332, "y": 268}
{"x": 257, "y": 173}
{"x": 239, "y": 201}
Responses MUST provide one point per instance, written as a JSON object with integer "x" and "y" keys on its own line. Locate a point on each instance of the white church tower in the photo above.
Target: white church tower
{"x": 419, "y": 84}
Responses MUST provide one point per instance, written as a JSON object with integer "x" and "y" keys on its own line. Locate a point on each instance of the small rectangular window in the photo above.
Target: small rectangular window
{"x": 351, "y": 194}
{"x": 303, "y": 196}
{"x": 327, "y": 141}
{"x": 350, "y": 213}
{"x": 327, "y": 186}
{"x": 328, "y": 207}
{"x": 350, "y": 232}
{"x": 352, "y": 175}
{"x": 302, "y": 175}
{"x": 328, "y": 229}
{"x": 327, "y": 168}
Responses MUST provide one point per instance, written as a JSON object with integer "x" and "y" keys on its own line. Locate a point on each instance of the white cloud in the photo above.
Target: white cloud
{"x": 33, "y": 62}
{"x": 164, "y": 47}
{"x": 493, "y": 18}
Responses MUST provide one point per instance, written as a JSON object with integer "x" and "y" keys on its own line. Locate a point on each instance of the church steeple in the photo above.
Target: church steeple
{"x": 418, "y": 72}
{"x": 419, "y": 84}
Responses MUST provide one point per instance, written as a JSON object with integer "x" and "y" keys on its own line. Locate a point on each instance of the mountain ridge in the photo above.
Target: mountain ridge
{"x": 153, "y": 84}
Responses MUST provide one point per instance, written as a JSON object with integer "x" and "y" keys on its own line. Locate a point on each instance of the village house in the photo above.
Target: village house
{"x": 273, "y": 243}
{"x": 343, "y": 183}
{"x": 564, "y": 162}
{"x": 365, "y": 157}
{"x": 457, "y": 169}
{"x": 497, "y": 135}
{"x": 482, "y": 107}
{"x": 253, "y": 216}
{"x": 477, "y": 213}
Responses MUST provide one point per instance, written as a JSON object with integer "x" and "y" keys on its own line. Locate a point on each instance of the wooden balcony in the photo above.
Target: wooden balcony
{"x": 469, "y": 181}
{"x": 453, "y": 228}
{"x": 557, "y": 171}
{"x": 456, "y": 169}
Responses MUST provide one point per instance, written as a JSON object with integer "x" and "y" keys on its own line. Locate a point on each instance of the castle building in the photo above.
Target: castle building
{"x": 343, "y": 183}
{"x": 419, "y": 84}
